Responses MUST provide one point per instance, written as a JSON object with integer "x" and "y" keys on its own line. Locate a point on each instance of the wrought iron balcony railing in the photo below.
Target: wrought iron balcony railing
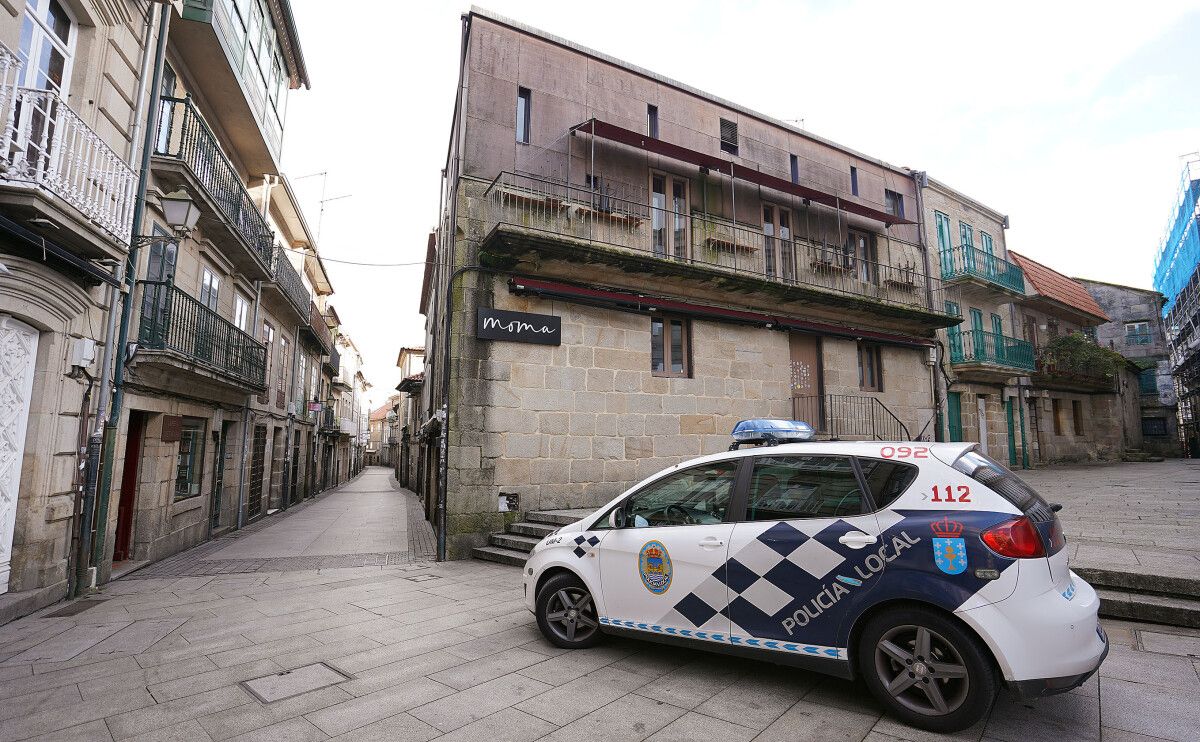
{"x": 184, "y": 135}
{"x": 48, "y": 146}
{"x": 333, "y": 363}
{"x": 967, "y": 261}
{"x": 317, "y": 328}
{"x": 173, "y": 320}
{"x": 979, "y": 346}
{"x": 841, "y": 416}
{"x": 288, "y": 280}
{"x": 690, "y": 238}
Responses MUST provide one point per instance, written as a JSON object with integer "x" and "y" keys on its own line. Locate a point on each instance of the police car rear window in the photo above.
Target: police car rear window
{"x": 996, "y": 476}
{"x": 887, "y": 480}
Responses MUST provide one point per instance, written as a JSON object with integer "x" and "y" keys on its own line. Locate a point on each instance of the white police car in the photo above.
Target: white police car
{"x": 927, "y": 569}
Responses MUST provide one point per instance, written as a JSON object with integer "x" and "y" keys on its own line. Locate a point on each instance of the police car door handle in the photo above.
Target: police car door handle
{"x": 857, "y": 539}
{"x": 711, "y": 543}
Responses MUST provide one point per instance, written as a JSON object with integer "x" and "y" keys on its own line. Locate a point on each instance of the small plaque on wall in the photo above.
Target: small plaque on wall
{"x": 172, "y": 428}
{"x": 520, "y": 327}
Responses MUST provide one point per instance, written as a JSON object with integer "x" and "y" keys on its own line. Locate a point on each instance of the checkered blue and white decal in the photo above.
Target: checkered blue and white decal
{"x": 584, "y": 543}
{"x": 838, "y": 653}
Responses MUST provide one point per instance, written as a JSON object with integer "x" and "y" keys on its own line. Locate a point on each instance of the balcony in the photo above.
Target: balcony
{"x": 558, "y": 220}
{"x": 187, "y": 154}
{"x": 347, "y": 427}
{"x": 288, "y": 285}
{"x": 192, "y": 342}
{"x": 56, "y": 167}
{"x": 980, "y": 273}
{"x": 317, "y": 331}
{"x": 1070, "y": 375}
{"x": 333, "y": 363}
{"x": 988, "y": 356}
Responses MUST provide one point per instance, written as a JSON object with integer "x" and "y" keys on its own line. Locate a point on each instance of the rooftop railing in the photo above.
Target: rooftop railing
{"x": 49, "y": 146}
{"x": 690, "y": 238}
{"x": 173, "y": 320}
{"x": 968, "y": 261}
{"x": 184, "y": 135}
{"x": 979, "y": 346}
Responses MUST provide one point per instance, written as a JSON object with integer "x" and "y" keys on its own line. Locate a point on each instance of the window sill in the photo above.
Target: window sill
{"x": 179, "y": 507}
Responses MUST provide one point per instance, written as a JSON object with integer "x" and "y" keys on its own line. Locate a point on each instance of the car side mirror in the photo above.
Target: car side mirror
{"x": 616, "y": 519}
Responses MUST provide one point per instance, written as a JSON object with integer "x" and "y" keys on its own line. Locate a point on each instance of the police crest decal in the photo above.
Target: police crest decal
{"x": 949, "y": 548}
{"x": 654, "y": 565}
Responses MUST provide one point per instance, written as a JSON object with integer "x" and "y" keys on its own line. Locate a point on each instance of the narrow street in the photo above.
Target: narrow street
{"x": 383, "y": 644}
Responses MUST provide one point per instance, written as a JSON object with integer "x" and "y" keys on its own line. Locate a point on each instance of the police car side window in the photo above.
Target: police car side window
{"x": 696, "y": 496}
{"x": 791, "y": 487}
{"x": 887, "y": 480}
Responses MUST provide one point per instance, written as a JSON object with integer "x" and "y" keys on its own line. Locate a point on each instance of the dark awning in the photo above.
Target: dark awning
{"x": 728, "y": 167}
{"x": 35, "y": 243}
{"x": 644, "y": 303}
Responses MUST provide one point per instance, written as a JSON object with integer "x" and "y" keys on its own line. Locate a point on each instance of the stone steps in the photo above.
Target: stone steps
{"x": 518, "y": 539}
{"x": 1161, "y": 609}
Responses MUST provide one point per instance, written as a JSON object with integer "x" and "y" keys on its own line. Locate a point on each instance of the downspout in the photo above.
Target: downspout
{"x": 139, "y": 215}
{"x": 451, "y": 228}
{"x": 938, "y": 386}
{"x": 241, "y": 513}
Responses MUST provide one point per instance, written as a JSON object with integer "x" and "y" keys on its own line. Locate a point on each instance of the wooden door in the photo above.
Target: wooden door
{"x": 806, "y": 380}
{"x": 122, "y": 542}
{"x": 18, "y": 361}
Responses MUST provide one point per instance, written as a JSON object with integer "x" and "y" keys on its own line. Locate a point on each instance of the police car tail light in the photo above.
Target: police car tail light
{"x": 1016, "y": 539}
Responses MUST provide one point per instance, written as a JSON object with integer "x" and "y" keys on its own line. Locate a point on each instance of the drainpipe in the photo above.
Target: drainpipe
{"x": 938, "y": 386}
{"x": 241, "y": 513}
{"x": 139, "y": 214}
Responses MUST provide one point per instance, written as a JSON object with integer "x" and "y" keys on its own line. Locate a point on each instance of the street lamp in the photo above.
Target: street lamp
{"x": 179, "y": 210}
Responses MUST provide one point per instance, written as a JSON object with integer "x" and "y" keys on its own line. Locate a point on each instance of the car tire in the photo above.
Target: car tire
{"x": 912, "y": 657}
{"x": 566, "y": 613}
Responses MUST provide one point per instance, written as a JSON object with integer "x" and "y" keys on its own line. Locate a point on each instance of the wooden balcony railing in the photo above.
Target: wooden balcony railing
{"x": 691, "y": 238}
{"x": 175, "y": 321}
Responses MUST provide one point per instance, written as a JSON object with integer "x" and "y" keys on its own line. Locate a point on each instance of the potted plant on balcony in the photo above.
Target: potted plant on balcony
{"x": 1075, "y": 355}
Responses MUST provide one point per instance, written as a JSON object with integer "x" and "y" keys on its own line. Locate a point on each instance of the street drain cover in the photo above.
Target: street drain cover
{"x": 294, "y": 682}
{"x": 75, "y": 608}
{"x": 421, "y": 578}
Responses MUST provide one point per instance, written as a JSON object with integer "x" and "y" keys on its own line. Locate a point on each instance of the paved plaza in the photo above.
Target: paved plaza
{"x": 268, "y": 635}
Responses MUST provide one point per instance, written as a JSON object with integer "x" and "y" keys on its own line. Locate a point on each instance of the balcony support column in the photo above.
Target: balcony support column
{"x": 100, "y": 525}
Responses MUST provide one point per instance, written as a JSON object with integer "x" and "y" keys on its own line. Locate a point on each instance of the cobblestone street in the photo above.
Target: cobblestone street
{"x": 384, "y": 644}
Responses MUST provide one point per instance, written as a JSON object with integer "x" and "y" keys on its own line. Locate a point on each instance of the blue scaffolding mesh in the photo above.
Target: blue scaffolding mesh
{"x": 1179, "y": 253}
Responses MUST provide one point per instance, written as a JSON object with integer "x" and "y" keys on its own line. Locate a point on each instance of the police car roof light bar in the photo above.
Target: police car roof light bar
{"x": 766, "y": 432}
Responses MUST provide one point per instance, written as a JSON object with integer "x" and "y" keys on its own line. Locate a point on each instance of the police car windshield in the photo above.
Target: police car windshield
{"x": 991, "y": 473}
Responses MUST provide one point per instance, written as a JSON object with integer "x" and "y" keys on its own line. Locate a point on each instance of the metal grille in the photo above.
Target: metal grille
{"x": 841, "y": 417}
{"x": 254, "y": 505}
{"x": 729, "y": 136}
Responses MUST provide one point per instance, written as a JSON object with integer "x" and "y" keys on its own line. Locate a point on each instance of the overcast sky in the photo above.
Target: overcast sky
{"x": 1070, "y": 117}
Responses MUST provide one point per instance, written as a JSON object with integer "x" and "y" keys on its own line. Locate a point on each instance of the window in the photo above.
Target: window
{"x": 190, "y": 460}
{"x": 241, "y": 312}
{"x": 1090, "y": 334}
{"x": 47, "y": 41}
{"x": 886, "y": 480}
{"x": 1077, "y": 416}
{"x": 1148, "y": 381}
{"x": 893, "y": 203}
{"x": 284, "y": 362}
{"x": 669, "y": 219}
{"x": 1154, "y": 426}
{"x": 696, "y": 496}
{"x": 268, "y": 339}
{"x": 210, "y": 286}
{"x": 652, "y": 121}
{"x": 1056, "y": 407}
{"x": 778, "y": 251}
{"x": 790, "y": 487}
{"x": 670, "y": 346}
{"x": 862, "y": 247}
{"x": 870, "y": 367}
{"x": 1052, "y": 329}
{"x": 945, "y": 242}
{"x": 1137, "y": 333}
{"x": 794, "y": 162}
{"x": 729, "y": 136}
{"x": 989, "y": 253}
{"x": 966, "y": 235}
{"x": 524, "y": 109}
{"x": 853, "y": 180}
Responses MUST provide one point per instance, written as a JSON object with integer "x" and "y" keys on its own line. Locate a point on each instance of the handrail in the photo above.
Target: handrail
{"x": 841, "y": 415}
{"x": 173, "y": 320}
{"x": 968, "y": 260}
{"x": 692, "y": 238}
{"x": 185, "y": 135}
{"x": 981, "y": 346}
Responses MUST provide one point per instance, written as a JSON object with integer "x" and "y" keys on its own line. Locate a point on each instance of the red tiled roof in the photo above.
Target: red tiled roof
{"x": 381, "y": 413}
{"x": 1053, "y": 285}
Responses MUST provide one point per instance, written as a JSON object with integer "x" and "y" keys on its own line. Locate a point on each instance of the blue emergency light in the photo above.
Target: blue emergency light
{"x": 770, "y": 432}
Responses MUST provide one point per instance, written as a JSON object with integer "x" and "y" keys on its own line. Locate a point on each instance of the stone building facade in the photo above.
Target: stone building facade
{"x": 686, "y": 299}
{"x": 1136, "y": 332}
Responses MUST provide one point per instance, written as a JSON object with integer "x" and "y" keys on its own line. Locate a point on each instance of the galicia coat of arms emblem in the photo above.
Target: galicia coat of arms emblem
{"x": 949, "y": 548}
{"x": 654, "y": 565}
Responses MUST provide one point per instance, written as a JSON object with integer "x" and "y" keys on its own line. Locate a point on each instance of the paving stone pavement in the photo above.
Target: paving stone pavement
{"x": 1130, "y": 516}
{"x": 449, "y": 652}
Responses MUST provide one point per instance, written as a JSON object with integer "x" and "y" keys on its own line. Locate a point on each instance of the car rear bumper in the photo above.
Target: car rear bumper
{"x": 1054, "y": 686}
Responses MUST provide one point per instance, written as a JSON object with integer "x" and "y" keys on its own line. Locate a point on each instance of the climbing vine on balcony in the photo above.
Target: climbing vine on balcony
{"x": 1075, "y": 354}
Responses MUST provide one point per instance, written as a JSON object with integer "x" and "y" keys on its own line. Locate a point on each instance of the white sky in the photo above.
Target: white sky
{"x": 1070, "y": 117}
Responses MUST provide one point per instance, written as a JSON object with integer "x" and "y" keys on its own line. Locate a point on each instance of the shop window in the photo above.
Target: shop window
{"x": 670, "y": 346}
{"x": 190, "y": 460}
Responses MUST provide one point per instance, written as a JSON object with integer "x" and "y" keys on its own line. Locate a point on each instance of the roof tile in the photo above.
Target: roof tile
{"x": 1054, "y": 285}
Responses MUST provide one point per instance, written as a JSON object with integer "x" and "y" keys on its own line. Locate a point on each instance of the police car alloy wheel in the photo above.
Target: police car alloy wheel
{"x": 566, "y": 613}
{"x": 926, "y": 669}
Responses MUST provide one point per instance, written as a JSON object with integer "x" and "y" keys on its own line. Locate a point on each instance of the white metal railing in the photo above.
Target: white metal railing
{"x": 48, "y": 145}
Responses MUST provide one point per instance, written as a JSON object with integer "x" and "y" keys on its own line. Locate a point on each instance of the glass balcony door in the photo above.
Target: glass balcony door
{"x": 779, "y": 252}
{"x": 669, "y": 216}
